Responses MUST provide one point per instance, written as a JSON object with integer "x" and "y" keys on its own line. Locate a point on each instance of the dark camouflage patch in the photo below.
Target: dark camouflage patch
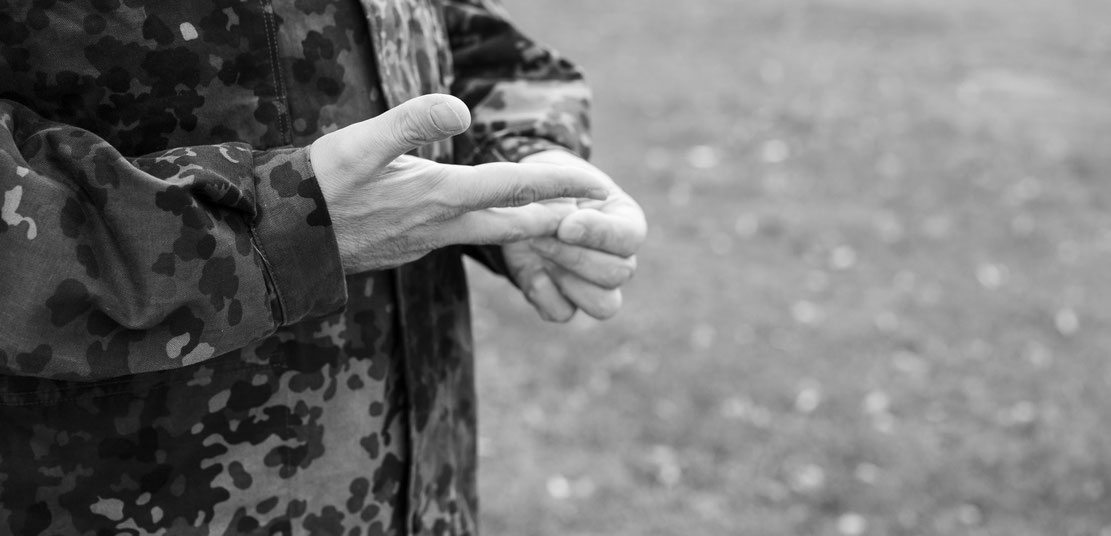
{"x": 190, "y": 360}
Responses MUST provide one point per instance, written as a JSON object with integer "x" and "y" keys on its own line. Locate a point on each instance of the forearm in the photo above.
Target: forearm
{"x": 116, "y": 266}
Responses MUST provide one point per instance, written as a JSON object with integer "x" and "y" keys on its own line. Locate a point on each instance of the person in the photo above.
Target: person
{"x": 230, "y": 256}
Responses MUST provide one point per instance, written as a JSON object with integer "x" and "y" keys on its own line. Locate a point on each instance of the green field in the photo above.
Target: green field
{"x": 876, "y": 297}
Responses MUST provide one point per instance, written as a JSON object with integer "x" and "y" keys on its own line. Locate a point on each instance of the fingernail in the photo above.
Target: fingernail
{"x": 445, "y": 118}
{"x": 572, "y": 232}
{"x": 601, "y": 194}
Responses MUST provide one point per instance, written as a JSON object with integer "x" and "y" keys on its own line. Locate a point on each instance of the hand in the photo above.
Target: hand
{"x": 388, "y": 208}
{"x": 591, "y": 256}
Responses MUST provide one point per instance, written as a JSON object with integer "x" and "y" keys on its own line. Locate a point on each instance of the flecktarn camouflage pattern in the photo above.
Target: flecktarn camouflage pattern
{"x": 180, "y": 352}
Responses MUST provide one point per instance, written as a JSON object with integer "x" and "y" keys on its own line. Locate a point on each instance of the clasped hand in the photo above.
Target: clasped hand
{"x": 592, "y": 254}
{"x": 570, "y": 233}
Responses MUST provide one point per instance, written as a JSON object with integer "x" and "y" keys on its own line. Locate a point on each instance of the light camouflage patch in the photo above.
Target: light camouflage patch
{"x": 182, "y": 368}
{"x": 9, "y": 209}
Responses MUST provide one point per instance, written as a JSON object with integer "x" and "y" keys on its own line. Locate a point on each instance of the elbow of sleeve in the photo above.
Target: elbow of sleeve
{"x": 115, "y": 266}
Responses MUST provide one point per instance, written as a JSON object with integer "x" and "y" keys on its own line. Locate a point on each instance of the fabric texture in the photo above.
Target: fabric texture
{"x": 180, "y": 352}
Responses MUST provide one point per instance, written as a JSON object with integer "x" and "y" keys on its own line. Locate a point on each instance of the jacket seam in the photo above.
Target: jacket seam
{"x": 275, "y": 61}
{"x": 268, "y": 275}
{"x": 406, "y": 384}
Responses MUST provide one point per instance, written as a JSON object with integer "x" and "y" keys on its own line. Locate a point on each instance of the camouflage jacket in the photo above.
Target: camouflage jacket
{"x": 180, "y": 352}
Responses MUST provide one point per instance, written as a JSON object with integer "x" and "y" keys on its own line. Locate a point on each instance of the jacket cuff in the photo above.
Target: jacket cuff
{"x": 293, "y": 234}
{"x": 516, "y": 148}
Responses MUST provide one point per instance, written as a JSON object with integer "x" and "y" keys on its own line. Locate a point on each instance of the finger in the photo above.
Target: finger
{"x": 505, "y": 184}
{"x": 594, "y": 266}
{"x": 527, "y": 270}
{"x": 546, "y": 298}
{"x": 409, "y": 125}
{"x": 564, "y": 158}
{"x": 563, "y": 206}
{"x": 598, "y": 302}
{"x": 619, "y": 230}
{"x": 502, "y": 225}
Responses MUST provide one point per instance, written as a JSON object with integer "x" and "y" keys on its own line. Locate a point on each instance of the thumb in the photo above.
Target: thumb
{"x": 412, "y": 124}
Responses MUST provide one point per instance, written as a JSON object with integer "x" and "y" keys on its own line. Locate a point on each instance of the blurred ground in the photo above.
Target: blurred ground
{"x": 875, "y": 298}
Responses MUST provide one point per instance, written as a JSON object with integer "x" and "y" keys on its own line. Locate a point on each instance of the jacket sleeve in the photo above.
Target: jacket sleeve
{"x": 112, "y": 266}
{"x": 524, "y": 98}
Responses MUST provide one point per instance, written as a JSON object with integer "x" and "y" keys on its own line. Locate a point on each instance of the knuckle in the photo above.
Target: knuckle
{"x": 575, "y": 257}
{"x": 513, "y": 234}
{"x": 524, "y": 275}
{"x": 501, "y": 233}
{"x": 522, "y": 194}
{"x": 532, "y": 291}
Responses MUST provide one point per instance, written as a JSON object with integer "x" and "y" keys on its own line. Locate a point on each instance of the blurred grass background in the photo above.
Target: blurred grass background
{"x": 875, "y": 298}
